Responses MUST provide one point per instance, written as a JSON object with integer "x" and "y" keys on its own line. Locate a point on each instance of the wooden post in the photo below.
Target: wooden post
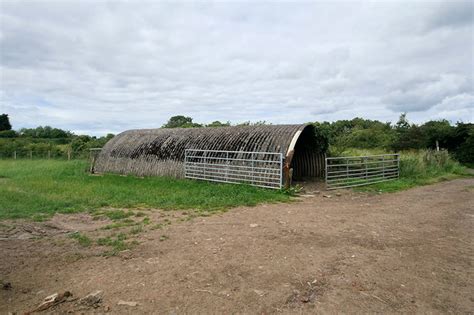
{"x": 49, "y": 154}
{"x": 69, "y": 154}
{"x": 287, "y": 173}
{"x": 14, "y": 155}
{"x": 31, "y": 155}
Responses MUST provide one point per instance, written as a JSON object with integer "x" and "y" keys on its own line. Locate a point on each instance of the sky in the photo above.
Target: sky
{"x": 96, "y": 67}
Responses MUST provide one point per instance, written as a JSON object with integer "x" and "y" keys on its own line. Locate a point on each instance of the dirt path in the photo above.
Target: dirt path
{"x": 411, "y": 251}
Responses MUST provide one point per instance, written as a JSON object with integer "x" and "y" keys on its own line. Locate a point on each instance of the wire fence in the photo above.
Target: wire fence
{"x": 45, "y": 154}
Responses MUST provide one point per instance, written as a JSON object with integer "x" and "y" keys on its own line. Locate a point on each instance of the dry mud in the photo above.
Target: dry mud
{"x": 410, "y": 251}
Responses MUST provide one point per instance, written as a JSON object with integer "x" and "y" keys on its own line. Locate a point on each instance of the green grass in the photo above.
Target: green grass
{"x": 116, "y": 243}
{"x": 82, "y": 239}
{"x": 419, "y": 168}
{"x": 37, "y": 189}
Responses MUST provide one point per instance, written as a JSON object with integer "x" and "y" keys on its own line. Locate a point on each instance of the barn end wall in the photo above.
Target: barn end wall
{"x": 160, "y": 152}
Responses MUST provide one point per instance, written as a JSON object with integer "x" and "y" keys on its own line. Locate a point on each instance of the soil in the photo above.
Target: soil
{"x": 348, "y": 252}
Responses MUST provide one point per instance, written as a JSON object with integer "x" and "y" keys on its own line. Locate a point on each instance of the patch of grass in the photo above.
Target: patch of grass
{"x": 420, "y": 168}
{"x": 137, "y": 229}
{"x": 164, "y": 238}
{"x": 82, "y": 239}
{"x": 118, "y": 214}
{"x": 120, "y": 224}
{"x": 158, "y": 226}
{"x": 117, "y": 243}
{"x": 40, "y": 188}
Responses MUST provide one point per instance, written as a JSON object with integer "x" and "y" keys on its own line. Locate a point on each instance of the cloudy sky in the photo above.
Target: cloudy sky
{"x": 107, "y": 66}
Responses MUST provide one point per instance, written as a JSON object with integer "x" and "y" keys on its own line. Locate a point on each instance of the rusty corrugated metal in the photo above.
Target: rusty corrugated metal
{"x": 161, "y": 151}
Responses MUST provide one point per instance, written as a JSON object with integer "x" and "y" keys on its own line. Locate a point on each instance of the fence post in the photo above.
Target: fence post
{"x": 281, "y": 170}
{"x": 31, "y": 155}
{"x": 69, "y": 154}
{"x": 49, "y": 154}
{"x": 398, "y": 166}
{"x": 14, "y": 155}
{"x": 326, "y": 169}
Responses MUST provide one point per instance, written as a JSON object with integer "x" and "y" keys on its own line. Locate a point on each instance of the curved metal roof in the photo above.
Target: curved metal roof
{"x": 155, "y": 148}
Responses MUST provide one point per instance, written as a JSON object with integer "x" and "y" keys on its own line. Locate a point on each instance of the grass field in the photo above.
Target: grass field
{"x": 37, "y": 189}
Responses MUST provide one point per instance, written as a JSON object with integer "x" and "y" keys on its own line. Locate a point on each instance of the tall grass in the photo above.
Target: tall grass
{"x": 428, "y": 164}
{"x": 421, "y": 168}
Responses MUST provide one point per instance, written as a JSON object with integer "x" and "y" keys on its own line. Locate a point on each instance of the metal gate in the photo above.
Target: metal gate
{"x": 262, "y": 169}
{"x": 351, "y": 171}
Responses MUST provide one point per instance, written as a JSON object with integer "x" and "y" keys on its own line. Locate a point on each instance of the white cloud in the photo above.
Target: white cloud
{"x": 108, "y": 66}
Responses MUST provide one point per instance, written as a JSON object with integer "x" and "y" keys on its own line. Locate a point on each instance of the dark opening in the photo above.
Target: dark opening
{"x": 308, "y": 160}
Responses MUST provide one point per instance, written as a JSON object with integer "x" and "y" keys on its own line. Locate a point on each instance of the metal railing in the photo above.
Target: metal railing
{"x": 262, "y": 169}
{"x": 352, "y": 171}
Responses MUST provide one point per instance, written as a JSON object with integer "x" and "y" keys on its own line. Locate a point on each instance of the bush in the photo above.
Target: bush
{"x": 428, "y": 163}
{"x": 8, "y": 134}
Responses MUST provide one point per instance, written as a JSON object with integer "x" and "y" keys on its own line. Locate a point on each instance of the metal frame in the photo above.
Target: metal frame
{"x": 262, "y": 169}
{"x": 352, "y": 171}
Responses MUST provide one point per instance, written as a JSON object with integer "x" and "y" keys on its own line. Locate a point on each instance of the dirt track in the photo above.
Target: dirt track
{"x": 411, "y": 251}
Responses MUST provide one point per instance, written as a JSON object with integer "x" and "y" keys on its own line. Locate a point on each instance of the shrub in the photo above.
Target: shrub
{"x": 8, "y": 134}
{"x": 427, "y": 163}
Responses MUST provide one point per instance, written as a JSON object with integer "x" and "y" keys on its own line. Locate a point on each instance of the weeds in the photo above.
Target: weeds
{"x": 118, "y": 214}
{"x": 118, "y": 243}
{"x": 137, "y": 229}
{"x": 82, "y": 239}
{"x": 160, "y": 225}
{"x": 421, "y": 168}
{"x": 120, "y": 224}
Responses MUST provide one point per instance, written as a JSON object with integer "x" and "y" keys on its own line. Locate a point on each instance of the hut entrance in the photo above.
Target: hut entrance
{"x": 308, "y": 161}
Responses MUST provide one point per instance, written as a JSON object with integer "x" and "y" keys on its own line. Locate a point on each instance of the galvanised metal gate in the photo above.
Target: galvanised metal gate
{"x": 351, "y": 171}
{"x": 262, "y": 169}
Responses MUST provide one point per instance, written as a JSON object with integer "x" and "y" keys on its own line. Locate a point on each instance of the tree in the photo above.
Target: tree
{"x": 321, "y": 133}
{"x": 218, "y": 124}
{"x": 80, "y": 143}
{"x": 437, "y": 131}
{"x": 257, "y": 123}
{"x": 462, "y": 143}
{"x": 402, "y": 122}
{"x": 45, "y": 132}
{"x": 407, "y": 136}
{"x": 181, "y": 121}
{"x": 8, "y": 134}
{"x": 5, "y": 122}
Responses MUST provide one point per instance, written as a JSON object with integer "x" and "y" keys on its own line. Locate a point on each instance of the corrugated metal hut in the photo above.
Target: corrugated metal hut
{"x": 161, "y": 152}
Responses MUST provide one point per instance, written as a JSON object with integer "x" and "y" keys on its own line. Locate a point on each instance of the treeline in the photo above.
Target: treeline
{"x": 45, "y": 141}
{"x": 338, "y": 136}
{"x": 361, "y": 133}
